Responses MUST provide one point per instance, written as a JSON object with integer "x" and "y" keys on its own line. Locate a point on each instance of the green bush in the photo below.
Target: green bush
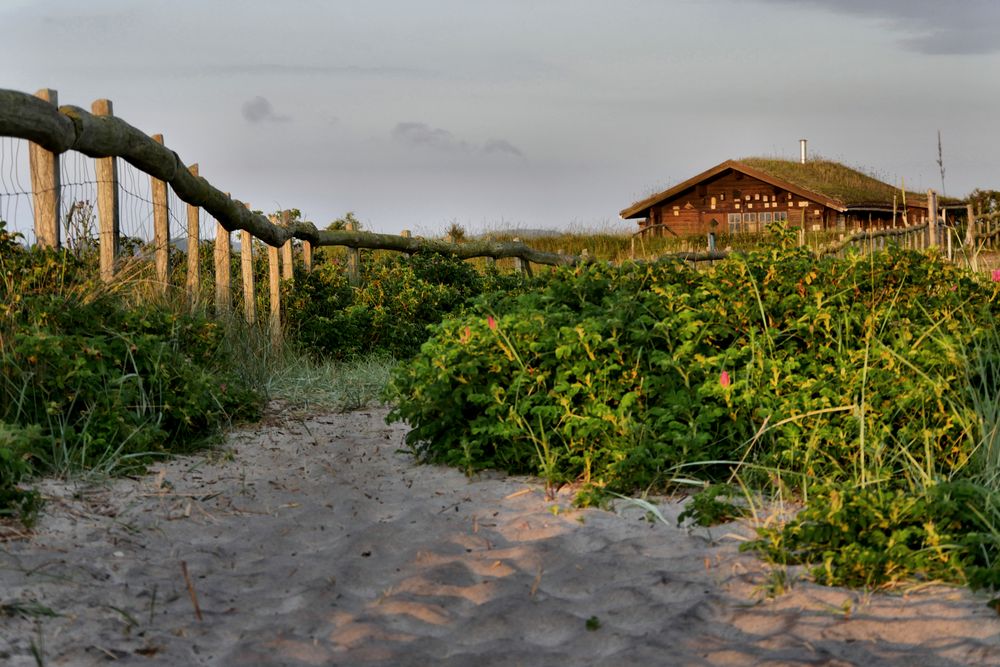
{"x": 87, "y": 379}
{"x": 398, "y": 298}
{"x": 775, "y": 363}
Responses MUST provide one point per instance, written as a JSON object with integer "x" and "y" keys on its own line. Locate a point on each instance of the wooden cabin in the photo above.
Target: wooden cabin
{"x": 746, "y": 195}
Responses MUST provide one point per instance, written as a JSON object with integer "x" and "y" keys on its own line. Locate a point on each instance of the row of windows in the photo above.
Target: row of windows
{"x": 753, "y": 222}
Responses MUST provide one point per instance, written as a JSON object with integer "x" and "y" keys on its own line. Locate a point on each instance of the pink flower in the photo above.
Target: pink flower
{"x": 466, "y": 335}
{"x": 724, "y": 379}
{"x": 996, "y": 276}
{"x": 491, "y": 323}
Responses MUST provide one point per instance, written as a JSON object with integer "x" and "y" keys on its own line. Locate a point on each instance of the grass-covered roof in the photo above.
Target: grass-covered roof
{"x": 832, "y": 179}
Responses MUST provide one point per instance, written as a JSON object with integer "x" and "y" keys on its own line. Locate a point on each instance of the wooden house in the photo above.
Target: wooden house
{"x": 746, "y": 195}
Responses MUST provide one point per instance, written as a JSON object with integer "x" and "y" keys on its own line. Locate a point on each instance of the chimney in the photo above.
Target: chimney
{"x": 802, "y": 151}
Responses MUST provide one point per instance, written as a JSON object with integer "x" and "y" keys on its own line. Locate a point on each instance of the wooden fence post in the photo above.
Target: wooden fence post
{"x": 988, "y": 226}
{"x": 274, "y": 281}
{"x": 223, "y": 263}
{"x": 520, "y": 265}
{"x": 161, "y": 228}
{"x": 246, "y": 265}
{"x": 106, "y": 171}
{"x": 932, "y": 226}
{"x": 45, "y": 185}
{"x": 287, "y": 269}
{"x": 970, "y": 229}
{"x": 353, "y": 261}
{"x": 193, "y": 233}
{"x": 307, "y": 256}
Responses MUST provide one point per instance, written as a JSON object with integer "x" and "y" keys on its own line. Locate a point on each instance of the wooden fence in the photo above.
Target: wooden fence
{"x": 53, "y": 130}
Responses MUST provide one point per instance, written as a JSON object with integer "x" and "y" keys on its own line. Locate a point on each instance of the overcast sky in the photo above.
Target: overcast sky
{"x": 531, "y": 113}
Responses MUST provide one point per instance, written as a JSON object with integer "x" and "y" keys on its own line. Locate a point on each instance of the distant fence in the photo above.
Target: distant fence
{"x": 981, "y": 231}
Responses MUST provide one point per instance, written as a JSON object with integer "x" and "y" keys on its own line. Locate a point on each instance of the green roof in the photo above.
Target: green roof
{"x": 832, "y": 179}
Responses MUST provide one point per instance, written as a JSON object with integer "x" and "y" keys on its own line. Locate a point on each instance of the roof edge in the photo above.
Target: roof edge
{"x": 638, "y": 207}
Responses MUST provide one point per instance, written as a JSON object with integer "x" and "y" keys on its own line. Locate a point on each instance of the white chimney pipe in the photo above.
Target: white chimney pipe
{"x": 802, "y": 151}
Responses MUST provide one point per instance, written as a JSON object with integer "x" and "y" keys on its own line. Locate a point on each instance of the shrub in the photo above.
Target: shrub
{"x": 788, "y": 368}
{"x": 88, "y": 380}
{"x": 399, "y": 297}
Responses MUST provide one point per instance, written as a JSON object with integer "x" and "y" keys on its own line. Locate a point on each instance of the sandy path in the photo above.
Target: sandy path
{"x": 315, "y": 542}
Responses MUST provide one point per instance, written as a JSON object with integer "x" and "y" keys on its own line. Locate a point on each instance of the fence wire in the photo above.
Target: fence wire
{"x": 16, "y": 205}
{"x": 79, "y": 208}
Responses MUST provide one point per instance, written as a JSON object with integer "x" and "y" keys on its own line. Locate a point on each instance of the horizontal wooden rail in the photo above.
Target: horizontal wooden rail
{"x": 870, "y": 234}
{"x": 72, "y": 128}
{"x": 658, "y": 225}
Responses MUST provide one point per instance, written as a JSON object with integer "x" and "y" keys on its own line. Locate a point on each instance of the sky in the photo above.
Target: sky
{"x": 523, "y": 113}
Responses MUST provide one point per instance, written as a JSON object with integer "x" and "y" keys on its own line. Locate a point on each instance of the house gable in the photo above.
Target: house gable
{"x": 704, "y": 181}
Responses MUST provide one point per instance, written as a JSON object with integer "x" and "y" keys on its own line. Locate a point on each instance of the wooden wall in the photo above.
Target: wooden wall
{"x": 694, "y": 210}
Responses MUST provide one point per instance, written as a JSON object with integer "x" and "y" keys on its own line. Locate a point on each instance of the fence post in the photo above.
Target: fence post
{"x": 193, "y": 233}
{"x": 287, "y": 270}
{"x": 988, "y": 226}
{"x": 519, "y": 264}
{"x": 353, "y": 261}
{"x": 223, "y": 263}
{"x": 246, "y": 266}
{"x": 161, "y": 228}
{"x": 932, "y": 230}
{"x": 106, "y": 171}
{"x": 274, "y": 283}
{"x": 307, "y": 256}
{"x": 970, "y": 228}
{"x": 45, "y": 185}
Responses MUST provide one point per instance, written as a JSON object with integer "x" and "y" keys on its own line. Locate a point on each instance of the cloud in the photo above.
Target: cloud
{"x": 422, "y": 135}
{"x": 933, "y": 27}
{"x": 259, "y": 110}
{"x": 501, "y": 147}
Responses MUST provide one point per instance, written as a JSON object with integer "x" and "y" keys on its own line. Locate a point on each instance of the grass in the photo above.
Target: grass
{"x": 308, "y": 384}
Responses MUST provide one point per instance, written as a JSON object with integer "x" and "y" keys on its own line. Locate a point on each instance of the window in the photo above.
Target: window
{"x": 713, "y": 203}
{"x": 781, "y": 216}
{"x": 722, "y": 196}
{"x": 749, "y": 217}
{"x": 734, "y": 223}
{"x": 765, "y": 217}
{"x": 756, "y": 196}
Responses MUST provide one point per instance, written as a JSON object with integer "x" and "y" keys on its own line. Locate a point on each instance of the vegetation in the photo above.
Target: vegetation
{"x": 861, "y": 389}
{"x": 839, "y": 182}
{"x": 389, "y": 312}
{"x": 847, "y": 385}
{"x": 91, "y": 379}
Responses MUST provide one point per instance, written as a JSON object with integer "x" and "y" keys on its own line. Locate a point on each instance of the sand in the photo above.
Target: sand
{"x": 315, "y": 540}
